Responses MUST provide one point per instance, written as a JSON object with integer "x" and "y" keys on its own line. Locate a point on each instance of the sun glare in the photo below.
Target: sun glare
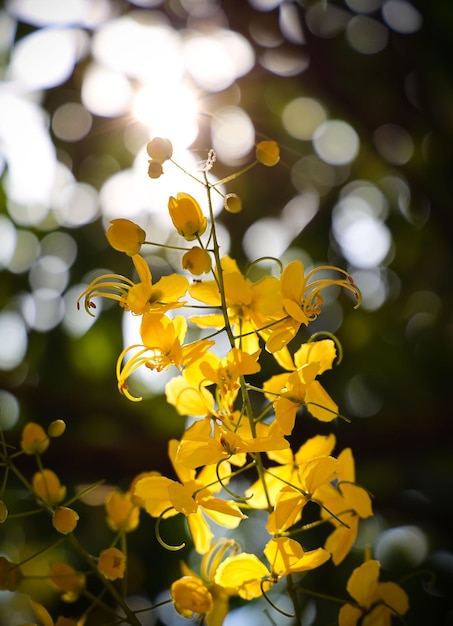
{"x": 169, "y": 111}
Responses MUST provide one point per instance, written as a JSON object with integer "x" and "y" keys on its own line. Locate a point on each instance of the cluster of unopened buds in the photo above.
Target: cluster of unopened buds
{"x": 237, "y": 427}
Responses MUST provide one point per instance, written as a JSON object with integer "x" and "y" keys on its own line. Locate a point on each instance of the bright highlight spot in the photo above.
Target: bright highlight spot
{"x": 13, "y": 339}
{"x": 302, "y": 116}
{"x": 336, "y": 142}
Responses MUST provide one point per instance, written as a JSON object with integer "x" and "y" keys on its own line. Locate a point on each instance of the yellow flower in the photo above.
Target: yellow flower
{"x": 142, "y": 297}
{"x": 268, "y": 153}
{"x": 46, "y": 620}
{"x": 349, "y": 502}
{"x": 245, "y": 573}
{"x": 192, "y": 496}
{"x": 125, "y": 236}
{"x": 67, "y": 580}
{"x": 187, "y": 216}
{"x": 191, "y": 596}
{"x": 65, "y": 519}
{"x": 3, "y": 512}
{"x": 300, "y": 388}
{"x": 250, "y": 306}
{"x": 302, "y": 301}
{"x": 112, "y": 563}
{"x": 34, "y": 439}
{"x": 375, "y": 602}
{"x": 48, "y": 487}
{"x": 10, "y": 575}
{"x": 162, "y": 347}
{"x": 189, "y": 399}
{"x": 197, "y": 261}
{"x": 122, "y": 512}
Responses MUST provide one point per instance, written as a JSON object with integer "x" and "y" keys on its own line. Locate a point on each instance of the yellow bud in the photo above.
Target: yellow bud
{"x": 190, "y": 595}
{"x": 48, "y": 487}
{"x": 125, "y": 236}
{"x": 197, "y": 261}
{"x": 268, "y": 153}
{"x": 187, "y": 216}
{"x": 56, "y": 428}
{"x": 155, "y": 169}
{"x": 34, "y": 439}
{"x": 3, "y": 512}
{"x": 160, "y": 149}
{"x": 65, "y": 520}
{"x": 232, "y": 203}
{"x": 112, "y": 563}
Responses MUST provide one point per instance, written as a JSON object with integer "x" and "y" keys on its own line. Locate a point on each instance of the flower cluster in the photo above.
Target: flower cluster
{"x": 241, "y": 423}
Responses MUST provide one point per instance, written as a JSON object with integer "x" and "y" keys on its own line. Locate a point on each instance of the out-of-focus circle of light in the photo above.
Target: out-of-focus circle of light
{"x": 266, "y": 237}
{"x": 26, "y": 252}
{"x": 8, "y": 241}
{"x": 105, "y": 92}
{"x": 265, "y": 5}
{"x": 9, "y": 413}
{"x": 407, "y": 543}
{"x": 34, "y": 63}
{"x": 366, "y": 35}
{"x": 29, "y": 152}
{"x": 60, "y": 245}
{"x": 47, "y": 12}
{"x": 402, "y": 16}
{"x": 13, "y": 340}
{"x": 232, "y": 134}
{"x": 394, "y": 143}
{"x": 362, "y": 400}
{"x": 71, "y": 122}
{"x": 358, "y": 228}
{"x": 49, "y": 271}
{"x": 326, "y": 20}
{"x": 299, "y": 211}
{"x": 169, "y": 111}
{"x": 43, "y": 309}
{"x": 283, "y": 62}
{"x": 290, "y": 25}
{"x": 364, "y": 6}
{"x": 76, "y": 205}
{"x": 336, "y": 142}
{"x": 216, "y": 60}
{"x": 302, "y": 116}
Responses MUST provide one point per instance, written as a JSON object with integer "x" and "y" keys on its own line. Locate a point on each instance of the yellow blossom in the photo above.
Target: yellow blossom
{"x": 197, "y": 261}
{"x": 112, "y": 563}
{"x": 188, "y": 399}
{"x": 122, "y": 512}
{"x": 46, "y": 620}
{"x": 65, "y": 519}
{"x": 66, "y": 580}
{"x": 10, "y": 575}
{"x": 3, "y": 512}
{"x": 251, "y": 306}
{"x": 48, "y": 487}
{"x": 191, "y": 596}
{"x": 302, "y": 301}
{"x": 375, "y": 602}
{"x": 162, "y": 347}
{"x": 56, "y": 428}
{"x": 268, "y": 153}
{"x": 141, "y": 297}
{"x": 125, "y": 236}
{"x": 34, "y": 439}
{"x": 232, "y": 203}
{"x": 193, "y": 496}
{"x": 187, "y": 216}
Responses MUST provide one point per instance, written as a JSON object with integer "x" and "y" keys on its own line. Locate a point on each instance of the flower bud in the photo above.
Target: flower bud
{"x": 48, "y": 487}
{"x": 197, "y": 261}
{"x": 3, "y": 512}
{"x": 232, "y": 203}
{"x": 159, "y": 149}
{"x": 65, "y": 520}
{"x": 155, "y": 169}
{"x": 125, "y": 236}
{"x": 34, "y": 439}
{"x": 268, "y": 153}
{"x": 112, "y": 563}
{"x": 190, "y": 595}
{"x": 187, "y": 216}
{"x": 56, "y": 428}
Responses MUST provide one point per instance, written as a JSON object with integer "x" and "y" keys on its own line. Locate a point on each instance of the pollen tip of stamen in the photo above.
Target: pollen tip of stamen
{"x": 78, "y": 306}
{"x": 91, "y": 305}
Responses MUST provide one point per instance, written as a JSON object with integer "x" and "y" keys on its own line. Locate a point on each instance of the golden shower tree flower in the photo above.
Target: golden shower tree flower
{"x": 300, "y": 387}
{"x": 46, "y": 619}
{"x": 65, "y": 519}
{"x": 250, "y": 306}
{"x": 189, "y": 399}
{"x": 125, "y": 236}
{"x": 191, "y": 596}
{"x": 112, "y": 563}
{"x": 159, "y": 149}
{"x": 348, "y": 502}
{"x": 162, "y": 347}
{"x": 34, "y": 439}
{"x": 187, "y": 216}
{"x": 68, "y": 581}
{"x": 302, "y": 301}
{"x": 122, "y": 512}
{"x": 48, "y": 488}
{"x": 197, "y": 261}
{"x": 375, "y": 602}
{"x": 193, "y": 496}
{"x": 268, "y": 153}
{"x": 141, "y": 297}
